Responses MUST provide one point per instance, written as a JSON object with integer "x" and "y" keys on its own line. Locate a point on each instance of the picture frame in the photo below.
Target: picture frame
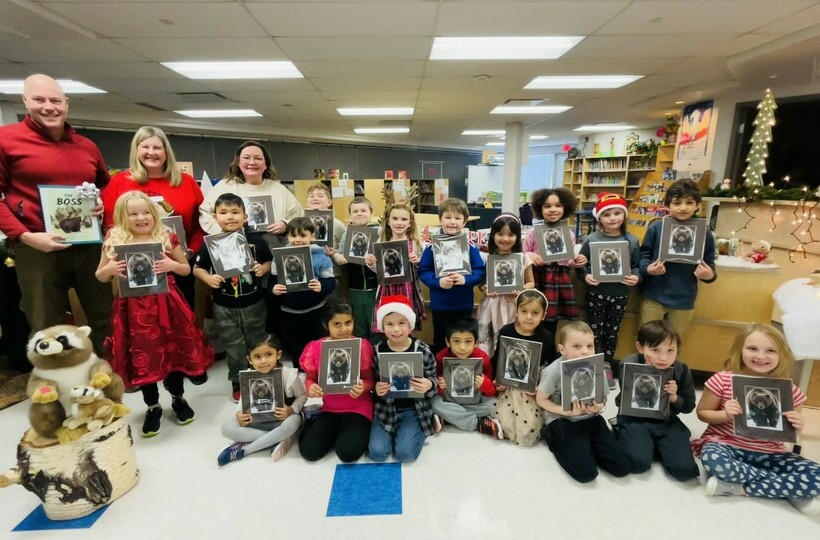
{"x": 682, "y": 241}
{"x": 397, "y": 369}
{"x": 173, "y": 224}
{"x": 294, "y": 267}
{"x": 393, "y": 262}
{"x": 554, "y": 241}
{"x": 230, "y": 253}
{"x": 518, "y": 363}
{"x": 459, "y": 376}
{"x": 583, "y": 380}
{"x": 323, "y": 223}
{"x": 140, "y": 280}
{"x": 68, "y": 214}
{"x": 642, "y": 392}
{"x": 763, "y": 400}
{"x": 609, "y": 262}
{"x": 359, "y": 241}
{"x": 339, "y": 370}
{"x": 505, "y": 273}
{"x": 261, "y": 394}
{"x": 259, "y": 210}
{"x": 451, "y": 254}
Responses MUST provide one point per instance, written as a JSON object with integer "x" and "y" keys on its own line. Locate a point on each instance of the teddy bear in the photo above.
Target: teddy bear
{"x": 63, "y": 358}
{"x": 91, "y": 408}
{"x": 759, "y": 253}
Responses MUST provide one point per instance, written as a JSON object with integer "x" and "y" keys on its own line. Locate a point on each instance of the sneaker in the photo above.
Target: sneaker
{"x": 438, "y": 423}
{"x": 184, "y": 412}
{"x": 716, "y": 487}
{"x": 153, "y": 417}
{"x": 196, "y": 380}
{"x": 282, "y": 448}
{"x": 235, "y": 395}
{"x": 490, "y": 426}
{"x": 808, "y": 505}
{"x": 234, "y": 452}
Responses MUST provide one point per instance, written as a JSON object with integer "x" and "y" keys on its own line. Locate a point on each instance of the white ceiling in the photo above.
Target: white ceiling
{"x": 375, "y": 53}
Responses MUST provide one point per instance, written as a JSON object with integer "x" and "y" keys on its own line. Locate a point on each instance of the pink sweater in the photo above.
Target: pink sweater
{"x": 341, "y": 403}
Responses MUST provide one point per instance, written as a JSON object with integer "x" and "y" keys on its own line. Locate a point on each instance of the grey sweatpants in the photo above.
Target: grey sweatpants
{"x": 259, "y": 439}
{"x": 464, "y": 417}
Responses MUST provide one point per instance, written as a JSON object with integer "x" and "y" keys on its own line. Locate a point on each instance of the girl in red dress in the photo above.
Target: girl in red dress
{"x": 154, "y": 337}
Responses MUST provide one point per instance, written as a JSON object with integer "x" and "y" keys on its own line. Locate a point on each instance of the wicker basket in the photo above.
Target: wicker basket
{"x": 75, "y": 479}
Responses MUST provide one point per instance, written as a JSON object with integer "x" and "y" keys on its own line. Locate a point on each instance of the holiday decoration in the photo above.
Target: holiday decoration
{"x": 761, "y": 137}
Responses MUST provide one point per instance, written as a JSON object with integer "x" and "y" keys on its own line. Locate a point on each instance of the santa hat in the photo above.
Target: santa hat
{"x": 395, "y": 304}
{"x": 607, "y": 201}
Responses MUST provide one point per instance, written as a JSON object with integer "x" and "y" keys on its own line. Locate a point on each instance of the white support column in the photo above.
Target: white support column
{"x": 515, "y": 143}
{"x": 7, "y": 113}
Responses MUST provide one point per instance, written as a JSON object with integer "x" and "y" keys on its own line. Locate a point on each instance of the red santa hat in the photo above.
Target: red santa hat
{"x": 395, "y": 304}
{"x": 607, "y": 201}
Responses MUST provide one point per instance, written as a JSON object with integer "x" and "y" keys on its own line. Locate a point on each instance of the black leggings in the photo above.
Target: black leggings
{"x": 348, "y": 433}
{"x": 174, "y": 383}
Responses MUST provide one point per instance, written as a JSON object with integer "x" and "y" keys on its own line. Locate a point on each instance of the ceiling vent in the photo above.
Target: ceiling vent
{"x": 200, "y": 97}
{"x": 152, "y": 107}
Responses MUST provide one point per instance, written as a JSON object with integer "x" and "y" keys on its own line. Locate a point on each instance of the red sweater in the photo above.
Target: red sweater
{"x": 487, "y": 387}
{"x": 29, "y": 157}
{"x": 185, "y": 199}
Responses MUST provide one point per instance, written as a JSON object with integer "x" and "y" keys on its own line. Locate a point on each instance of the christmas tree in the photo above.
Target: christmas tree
{"x": 761, "y": 138}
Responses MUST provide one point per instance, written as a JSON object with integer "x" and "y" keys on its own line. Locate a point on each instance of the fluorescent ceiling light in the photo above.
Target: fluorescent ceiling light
{"x": 219, "y": 113}
{"x": 365, "y": 131}
{"x": 376, "y": 111}
{"x": 502, "y": 48}
{"x": 483, "y": 132}
{"x": 15, "y": 86}
{"x": 604, "y": 127}
{"x": 235, "y": 70}
{"x": 538, "y": 137}
{"x": 539, "y": 109}
{"x": 495, "y": 144}
{"x": 581, "y": 81}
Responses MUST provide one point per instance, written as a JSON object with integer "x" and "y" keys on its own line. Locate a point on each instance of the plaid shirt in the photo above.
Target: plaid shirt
{"x": 384, "y": 408}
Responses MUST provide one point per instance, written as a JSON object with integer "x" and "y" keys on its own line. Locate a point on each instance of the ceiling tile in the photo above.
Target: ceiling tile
{"x": 645, "y": 46}
{"x": 797, "y": 21}
{"x": 107, "y": 70}
{"x": 360, "y": 48}
{"x": 258, "y": 85}
{"x": 363, "y": 69}
{"x": 205, "y": 49}
{"x": 366, "y": 83}
{"x": 48, "y": 50}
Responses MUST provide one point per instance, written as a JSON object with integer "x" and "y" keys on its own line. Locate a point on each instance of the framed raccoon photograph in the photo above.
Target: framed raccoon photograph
{"x": 339, "y": 366}
{"x": 505, "y": 273}
{"x": 763, "y": 401}
{"x": 294, "y": 267}
{"x": 582, "y": 380}
{"x": 397, "y": 369}
{"x": 643, "y": 394}
{"x": 392, "y": 262}
{"x": 173, "y": 224}
{"x": 359, "y": 241}
{"x": 682, "y": 241}
{"x": 140, "y": 278}
{"x": 459, "y": 376}
{"x": 609, "y": 261}
{"x": 261, "y": 393}
{"x": 518, "y": 363}
{"x": 451, "y": 254}
{"x": 554, "y": 241}
{"x": 323, "y": 224}
{"x": 230, "y": 253}
{"x": 68, "y": 214}
{"x": 260, "y": 212}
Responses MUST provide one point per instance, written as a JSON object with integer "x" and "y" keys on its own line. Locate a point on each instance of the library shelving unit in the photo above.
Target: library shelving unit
{"x": 588, "y": 176}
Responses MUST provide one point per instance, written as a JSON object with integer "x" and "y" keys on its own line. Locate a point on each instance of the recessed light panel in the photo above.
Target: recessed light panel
{"x": 235, "y": 70}
{"x": 15, "y": 86}
{"x": 220, "y": 113}
{"x": 604, "y": 127}
{"x": 581, "y": 82}
{"x": 381, "y": 130}
{"x": 376, "y": 111}
{"x": 539, "y": 109}
{"x": 485, "y": 132}
{"x": 502, "y": 48}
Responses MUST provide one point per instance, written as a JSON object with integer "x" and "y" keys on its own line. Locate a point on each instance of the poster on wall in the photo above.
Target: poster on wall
{"x": 694, "y": 135}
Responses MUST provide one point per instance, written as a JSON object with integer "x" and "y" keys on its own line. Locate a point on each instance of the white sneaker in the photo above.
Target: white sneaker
{"x": 809, "y": 506}
{"x": 716, "y": 487}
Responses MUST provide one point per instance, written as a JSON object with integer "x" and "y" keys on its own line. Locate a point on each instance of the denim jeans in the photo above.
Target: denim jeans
{"x": 406, "y": 443}
{"x": 240, "y": 329}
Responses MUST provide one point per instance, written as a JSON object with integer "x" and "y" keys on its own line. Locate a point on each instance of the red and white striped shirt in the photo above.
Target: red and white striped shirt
{"x": 721, "y": 385}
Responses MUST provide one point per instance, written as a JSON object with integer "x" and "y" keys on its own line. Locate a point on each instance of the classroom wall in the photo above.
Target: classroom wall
{"x": 296, "y": 160}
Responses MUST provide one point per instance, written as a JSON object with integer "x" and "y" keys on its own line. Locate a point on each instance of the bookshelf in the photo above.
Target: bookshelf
{"x": 588, "y": 176}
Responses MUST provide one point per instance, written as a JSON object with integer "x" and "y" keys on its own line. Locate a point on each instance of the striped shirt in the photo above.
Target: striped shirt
{"x": 721, "y": 385}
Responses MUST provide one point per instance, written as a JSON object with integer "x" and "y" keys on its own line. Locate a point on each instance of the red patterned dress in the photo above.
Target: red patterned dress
{"x": 154, "y": 335}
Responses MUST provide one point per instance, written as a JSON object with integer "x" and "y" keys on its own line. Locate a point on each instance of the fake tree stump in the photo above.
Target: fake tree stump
{"x": 75, "y": 479}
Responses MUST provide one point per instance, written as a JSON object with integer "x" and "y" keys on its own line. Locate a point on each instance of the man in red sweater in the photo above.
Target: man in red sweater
{"x": 44, "y": 149}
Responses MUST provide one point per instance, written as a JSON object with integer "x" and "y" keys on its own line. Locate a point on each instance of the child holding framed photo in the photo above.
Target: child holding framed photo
{"x": 660, "y": 435}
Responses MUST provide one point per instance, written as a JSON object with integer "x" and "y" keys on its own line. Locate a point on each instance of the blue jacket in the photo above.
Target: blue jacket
{"x": 459, "y": 297}
{"x": 678, "y": 287}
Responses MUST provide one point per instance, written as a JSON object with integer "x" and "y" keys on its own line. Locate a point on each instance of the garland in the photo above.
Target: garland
{"x": 753, "y": 194}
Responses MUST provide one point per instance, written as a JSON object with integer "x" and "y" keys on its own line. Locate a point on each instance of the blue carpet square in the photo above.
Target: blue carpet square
{"x": 368, "y": 489}
{"x": 37, "y": 521}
